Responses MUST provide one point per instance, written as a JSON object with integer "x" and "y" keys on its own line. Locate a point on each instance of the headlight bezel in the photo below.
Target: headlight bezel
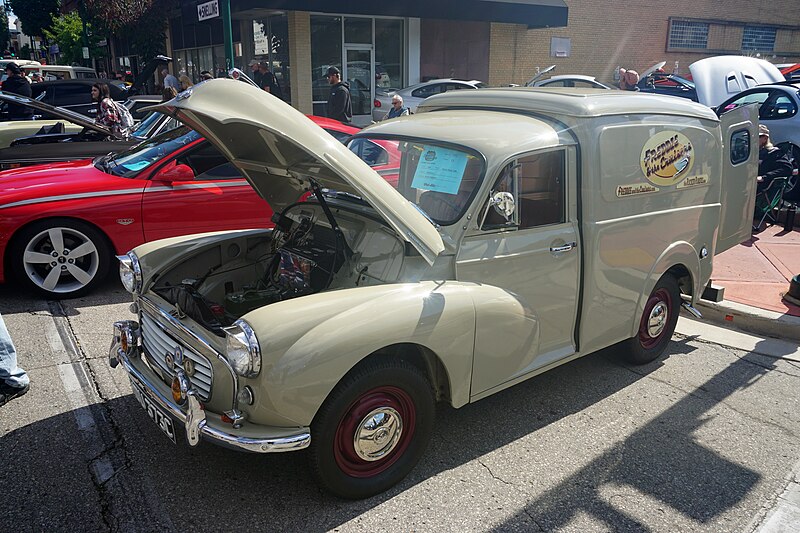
{"x": 242, "y": 349}
{"x": 130, "y": 272}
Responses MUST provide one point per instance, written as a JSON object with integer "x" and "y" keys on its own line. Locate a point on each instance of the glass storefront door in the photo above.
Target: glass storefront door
{"x": 359, "y": 73}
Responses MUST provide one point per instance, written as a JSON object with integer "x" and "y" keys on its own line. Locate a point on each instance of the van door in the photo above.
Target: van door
{"x": 739, "y": 172}
{"x": 535, "y": 257}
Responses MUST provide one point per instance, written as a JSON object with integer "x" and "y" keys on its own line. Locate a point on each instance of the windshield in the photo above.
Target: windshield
{"x": 440, "y": 179}
{"x": 150, "y": 123}
{"x": 132, "y": 161}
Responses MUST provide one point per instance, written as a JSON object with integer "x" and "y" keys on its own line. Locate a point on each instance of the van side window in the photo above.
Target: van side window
{"x": 538, "y": 185}
{"x": 740, "y": 146}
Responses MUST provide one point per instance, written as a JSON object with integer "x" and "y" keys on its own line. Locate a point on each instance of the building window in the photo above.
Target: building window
{"x": 687, "y": 34}
{"x": 760, "y": 38}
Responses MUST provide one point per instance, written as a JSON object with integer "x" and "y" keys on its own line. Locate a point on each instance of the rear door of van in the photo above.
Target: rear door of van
{"x": 739, "y": 172}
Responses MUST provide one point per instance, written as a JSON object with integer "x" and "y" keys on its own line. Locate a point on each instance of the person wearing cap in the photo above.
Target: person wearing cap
{"x": 268, "y": 81}
{"x": 256, "y": 75}
{"x": 772, "y": 161}
{"x": 16, "y": 83}
{"x": 340, "y": 106}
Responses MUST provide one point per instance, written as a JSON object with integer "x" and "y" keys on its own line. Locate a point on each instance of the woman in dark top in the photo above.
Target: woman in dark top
{"x": 16, "y": 83}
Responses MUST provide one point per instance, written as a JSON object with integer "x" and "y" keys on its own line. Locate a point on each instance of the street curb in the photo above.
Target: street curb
{"x": 751, "y": 319}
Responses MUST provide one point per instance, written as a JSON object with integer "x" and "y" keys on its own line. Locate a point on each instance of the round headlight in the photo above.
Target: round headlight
{"x": 242, "y": 349}
{"x": 130, "y": 273}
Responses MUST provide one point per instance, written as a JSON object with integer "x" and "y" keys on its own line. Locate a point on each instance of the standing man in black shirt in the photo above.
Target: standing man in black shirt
{"x": 339, "y": 105}
{"x": 16, "y": 83}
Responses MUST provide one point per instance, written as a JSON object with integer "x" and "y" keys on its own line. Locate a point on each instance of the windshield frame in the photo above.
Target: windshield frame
{"x": 114, "y": 167}
{"x": 479, "y": 182}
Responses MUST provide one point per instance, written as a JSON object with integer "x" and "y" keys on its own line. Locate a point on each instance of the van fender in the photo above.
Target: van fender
{"x": 677, "y": 253}
{"x": 311, "y": 342}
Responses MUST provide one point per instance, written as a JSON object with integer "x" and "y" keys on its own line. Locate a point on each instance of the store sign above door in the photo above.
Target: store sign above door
{"x": 208, "y": 10}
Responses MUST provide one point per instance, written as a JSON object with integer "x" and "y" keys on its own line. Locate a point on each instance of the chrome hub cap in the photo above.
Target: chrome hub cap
{"x": 377, "y": 434}
{"x": 657, "y": 320}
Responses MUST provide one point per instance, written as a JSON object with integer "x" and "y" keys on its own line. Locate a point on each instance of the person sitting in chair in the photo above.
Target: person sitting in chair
{"x": 772, "y": 161}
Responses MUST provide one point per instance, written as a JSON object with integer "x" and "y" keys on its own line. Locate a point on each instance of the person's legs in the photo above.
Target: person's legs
{"x": 10, "y": 373}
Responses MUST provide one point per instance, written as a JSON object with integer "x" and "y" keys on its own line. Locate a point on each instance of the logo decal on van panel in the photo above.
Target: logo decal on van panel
{"x": 636, "y": 188}
{"x": 667, "y": 158}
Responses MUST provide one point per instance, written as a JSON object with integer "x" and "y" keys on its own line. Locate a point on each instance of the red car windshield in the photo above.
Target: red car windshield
{"x": 142, "y": 156}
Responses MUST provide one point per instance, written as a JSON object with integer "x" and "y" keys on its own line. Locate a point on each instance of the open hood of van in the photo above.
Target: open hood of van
{"x": 718, "y": 78}
{"x": 59, "y": 112}
{"x": 280, "y": 151}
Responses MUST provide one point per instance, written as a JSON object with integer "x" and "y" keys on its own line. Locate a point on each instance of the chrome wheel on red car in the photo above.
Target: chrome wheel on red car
{"x": 60, "y": 258}
{"x": 372, "y": 429}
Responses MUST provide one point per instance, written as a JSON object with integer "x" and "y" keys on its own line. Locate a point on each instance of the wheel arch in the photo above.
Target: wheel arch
{"x": 681, "y": 261}
{"x": 16, "y": 236}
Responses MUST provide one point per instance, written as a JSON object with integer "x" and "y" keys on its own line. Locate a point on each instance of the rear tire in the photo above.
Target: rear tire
{"x": 657, "y": 323}
{"x": 372, "y": 429}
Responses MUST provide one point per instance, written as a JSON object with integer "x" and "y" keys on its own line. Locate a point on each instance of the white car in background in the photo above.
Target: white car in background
{"x": 413, "y": 95}
{"x": 572, "y": 80}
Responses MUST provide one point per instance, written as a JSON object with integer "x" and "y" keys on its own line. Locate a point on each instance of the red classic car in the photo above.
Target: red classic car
{"x": 61, "y": 224}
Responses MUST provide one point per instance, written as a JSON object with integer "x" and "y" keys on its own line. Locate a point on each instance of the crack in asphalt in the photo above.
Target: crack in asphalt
{"x": 498, "y": 478}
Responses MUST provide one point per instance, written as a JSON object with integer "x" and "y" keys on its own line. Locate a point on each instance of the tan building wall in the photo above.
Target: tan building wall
{"x": 300, "y": 60}
{"x": 605, "y": 34}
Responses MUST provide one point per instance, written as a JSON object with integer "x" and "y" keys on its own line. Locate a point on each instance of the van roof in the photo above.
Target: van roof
{"x": 579, "y": 103}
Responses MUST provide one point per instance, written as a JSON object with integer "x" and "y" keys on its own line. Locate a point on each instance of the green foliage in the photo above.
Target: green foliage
{"x": 67, "y": 32}
{"x": 35, "y": 15}
{"x": 5, "y": 34}
{"x": 25, "y": 52}
{"x": 142, "y": 22}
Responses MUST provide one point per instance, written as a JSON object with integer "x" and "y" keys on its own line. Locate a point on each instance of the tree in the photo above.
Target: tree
{"x": 5, "y": 35}
{"x": 143, "y": 22}
{"x": 35, "y": 15}
{"x": 67, "y": 32}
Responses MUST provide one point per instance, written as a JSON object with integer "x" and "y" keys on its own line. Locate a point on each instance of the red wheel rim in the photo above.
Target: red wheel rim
{"x": 395, "y": 412}
{"x": 656, "y": 316}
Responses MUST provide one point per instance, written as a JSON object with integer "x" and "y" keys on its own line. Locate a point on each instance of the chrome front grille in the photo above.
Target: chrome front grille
{"x": 158, "y": 343}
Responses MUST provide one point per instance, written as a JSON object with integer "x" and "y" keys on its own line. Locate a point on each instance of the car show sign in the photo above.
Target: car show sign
{"x": 208, "y": 10}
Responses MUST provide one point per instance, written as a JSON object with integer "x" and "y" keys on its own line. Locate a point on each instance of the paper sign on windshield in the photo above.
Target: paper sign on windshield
{"x": 440, "y": 169}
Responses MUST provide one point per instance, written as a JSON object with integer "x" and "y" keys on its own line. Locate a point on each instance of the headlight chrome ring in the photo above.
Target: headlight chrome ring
{"x": 130, "y": 272}
{"x": 242, "y": 349}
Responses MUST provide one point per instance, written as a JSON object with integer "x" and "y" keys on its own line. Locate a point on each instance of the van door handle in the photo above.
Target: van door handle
{"x": 563, "y": 248}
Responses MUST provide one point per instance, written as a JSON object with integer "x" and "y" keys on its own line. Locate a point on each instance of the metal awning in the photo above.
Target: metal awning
{"x": 533, "y": 13}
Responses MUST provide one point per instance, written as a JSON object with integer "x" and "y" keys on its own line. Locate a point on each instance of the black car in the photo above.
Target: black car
{"x": 655, "y": 80}
{"x": 76, "y": 95}
{"x": 53, "y": 144}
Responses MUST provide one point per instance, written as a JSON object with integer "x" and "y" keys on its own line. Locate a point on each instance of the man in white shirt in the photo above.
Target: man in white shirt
{"x": 170, "y": 80}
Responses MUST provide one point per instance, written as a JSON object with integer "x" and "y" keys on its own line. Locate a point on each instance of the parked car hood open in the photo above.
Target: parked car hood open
{"x": 718, "y": 78}
{"x": 652, "y": 69}
{"x": 60, "y": 112}
{"x": 281, "y": 151}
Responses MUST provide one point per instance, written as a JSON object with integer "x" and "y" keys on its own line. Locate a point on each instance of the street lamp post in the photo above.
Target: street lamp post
{"x": 227, "y": 34}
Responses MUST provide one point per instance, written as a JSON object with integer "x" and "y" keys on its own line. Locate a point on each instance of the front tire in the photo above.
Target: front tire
{"x": 372, "y": 429}
{"x": 657, "y": 323}
{"x": 60, "y": 258}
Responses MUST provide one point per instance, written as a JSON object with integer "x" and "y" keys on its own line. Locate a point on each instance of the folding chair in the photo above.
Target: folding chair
{"x": 768, "y": 201}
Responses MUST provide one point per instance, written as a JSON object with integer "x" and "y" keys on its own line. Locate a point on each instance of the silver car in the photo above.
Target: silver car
{"x": 572, "y": 80}
{"x": 778, "y": 110}
{"x": 413, "y": 95}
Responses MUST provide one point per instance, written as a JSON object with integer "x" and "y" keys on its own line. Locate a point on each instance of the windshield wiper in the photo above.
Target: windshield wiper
{"x": 101, "y": 162}
{"x": 427, "y": 217}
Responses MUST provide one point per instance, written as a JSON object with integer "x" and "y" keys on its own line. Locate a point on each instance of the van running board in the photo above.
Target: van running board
{"x": 695, "y": 312}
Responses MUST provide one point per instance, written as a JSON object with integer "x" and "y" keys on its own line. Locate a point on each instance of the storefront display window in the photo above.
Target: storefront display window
{"x": 326, "y": 51}
{"x": 271, "y": 44}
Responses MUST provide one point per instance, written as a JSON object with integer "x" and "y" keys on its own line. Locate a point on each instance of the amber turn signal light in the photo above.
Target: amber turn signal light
{"x": 176, "y": 390}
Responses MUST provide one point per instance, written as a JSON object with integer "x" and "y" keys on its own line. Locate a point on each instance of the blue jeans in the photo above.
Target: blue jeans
{"x": 9, "y": 371}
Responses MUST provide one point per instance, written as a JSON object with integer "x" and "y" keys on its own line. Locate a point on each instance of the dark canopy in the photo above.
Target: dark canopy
{"x": 533, "y": 13}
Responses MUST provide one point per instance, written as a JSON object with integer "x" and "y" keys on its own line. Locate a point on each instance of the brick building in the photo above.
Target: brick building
{"x": 394, "y": 44}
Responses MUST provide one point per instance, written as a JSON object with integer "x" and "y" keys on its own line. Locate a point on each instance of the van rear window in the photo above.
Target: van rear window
{"x": 740, "y": 146}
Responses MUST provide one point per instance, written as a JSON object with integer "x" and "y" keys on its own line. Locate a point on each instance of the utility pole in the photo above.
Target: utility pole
{"x": 227, "y": 34}
{"x": 84, "y": 33}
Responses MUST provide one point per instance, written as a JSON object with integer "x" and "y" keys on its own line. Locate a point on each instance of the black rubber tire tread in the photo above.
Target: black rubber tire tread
{"x": 375, "y": 372}
{"x": 632, "y": 350}
{"x": 20, "y": 241}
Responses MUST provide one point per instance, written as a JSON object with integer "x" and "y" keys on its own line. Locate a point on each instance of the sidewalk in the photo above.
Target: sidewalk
{"x": 755, "y": 276}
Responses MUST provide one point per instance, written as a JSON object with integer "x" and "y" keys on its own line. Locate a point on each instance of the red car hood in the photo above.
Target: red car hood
{"x": 43, "y": 183}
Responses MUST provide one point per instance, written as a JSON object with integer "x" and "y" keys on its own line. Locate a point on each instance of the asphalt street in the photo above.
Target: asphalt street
{"x": 703, "y": 439}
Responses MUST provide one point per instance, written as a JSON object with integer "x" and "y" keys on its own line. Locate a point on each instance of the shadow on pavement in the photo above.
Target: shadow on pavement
{"x": 210, "y": 488}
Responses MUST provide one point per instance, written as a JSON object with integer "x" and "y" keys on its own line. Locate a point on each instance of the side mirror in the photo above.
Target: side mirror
{"x": 173, "y": 171}
{"x": 503, "y": 203}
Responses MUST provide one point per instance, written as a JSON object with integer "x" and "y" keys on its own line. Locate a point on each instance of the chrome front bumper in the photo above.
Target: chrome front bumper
{"x": 125, "y": 346}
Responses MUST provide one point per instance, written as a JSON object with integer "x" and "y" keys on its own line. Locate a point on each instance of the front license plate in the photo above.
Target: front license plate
{"x": 162, "y": 420}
